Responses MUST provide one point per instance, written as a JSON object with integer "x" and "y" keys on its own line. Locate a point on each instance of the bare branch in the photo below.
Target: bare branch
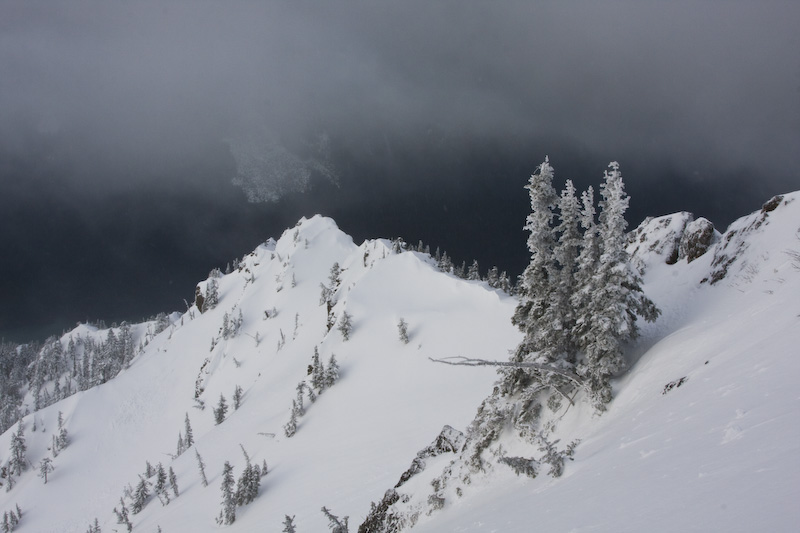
{"x": 466, "y": 361}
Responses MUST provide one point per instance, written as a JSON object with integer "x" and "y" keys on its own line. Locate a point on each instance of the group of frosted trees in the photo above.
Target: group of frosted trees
{"x": 241, "y": 492}
{"x": 579, "y": 298}
{"x": 321, "y": 378}
{"x": 18, "y": 461}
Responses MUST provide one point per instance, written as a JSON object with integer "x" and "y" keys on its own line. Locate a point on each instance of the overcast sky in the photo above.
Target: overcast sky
{"x": 116, "y": 121}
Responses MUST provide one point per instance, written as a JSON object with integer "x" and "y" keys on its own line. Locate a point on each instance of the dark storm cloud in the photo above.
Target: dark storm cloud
{"x": 115, "y": 194}
{"x": 712, "y": 83}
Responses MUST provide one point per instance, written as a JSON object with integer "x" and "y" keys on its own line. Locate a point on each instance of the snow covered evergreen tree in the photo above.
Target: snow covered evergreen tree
{"x": 45, "y": 468}
{"x": 188, "y": 439}
{"x": 616, "y": 297}
{"x": 237, "y": 397}
{"x": 317, "y": 372}
{"x": 173, "y": 482}
{"x": 301, "y": 387}
{"x": 228, "y": 512}
{"x": 493, "y": 277}
{"x": 122, "y": 515}
{"x": 345, "y": 325}
{"x": 331, "y": 372}
{"x": 63, "y": 437}
{"x": 566, "y": 254}
{"x": 537, "y": 312}
{"x": 202, "y": 467}
{"x": 18, "y": 462}
{"x": 181, "y": 446}
{"x": 248, "y": 483}
{"x": 140, "y": 496}
{"x": 585, "y": 269}
{"x": 160, "y": 486}
{"x": 473, "y": 272}
{"x": 221, "y": 410}
{"x": 290, "y": 428}
{"x": 335, "y": 277}
{"x": 211, "y": 298}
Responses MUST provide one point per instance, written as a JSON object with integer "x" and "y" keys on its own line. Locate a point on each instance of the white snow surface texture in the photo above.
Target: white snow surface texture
{"x": 720, "y": 452}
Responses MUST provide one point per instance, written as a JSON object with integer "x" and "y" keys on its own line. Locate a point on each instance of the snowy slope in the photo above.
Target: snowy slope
{"x": 718, "y": 450}
{"x": 351, "y": 443}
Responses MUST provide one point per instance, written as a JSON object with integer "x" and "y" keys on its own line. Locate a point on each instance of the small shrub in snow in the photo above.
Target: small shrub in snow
{"x": 345, "y": 325}
{"x": 674, "y": 384}
{"x": 402, "y": 329}
{"x": 521, "y": 465}
{"x": 94, "y": 528}
{"x": 288, "y": 525}
{"x": 337, "y": 525}
{"x": 436, "y": 501}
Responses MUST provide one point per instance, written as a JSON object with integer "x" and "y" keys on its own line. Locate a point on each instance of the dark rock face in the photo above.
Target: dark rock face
{"x": 772, "y": 204}
{"x": 697, "y": 238}
{"x": 382, "y": 518}
{"x": 199, "y": 299}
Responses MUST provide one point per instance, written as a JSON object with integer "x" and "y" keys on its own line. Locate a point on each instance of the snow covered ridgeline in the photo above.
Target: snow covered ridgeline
{"x": 701, "y": 423}
{"x": 257, "y": 344}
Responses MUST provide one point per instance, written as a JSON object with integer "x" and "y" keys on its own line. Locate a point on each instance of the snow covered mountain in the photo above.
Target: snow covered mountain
{"x": 702, "y": 433}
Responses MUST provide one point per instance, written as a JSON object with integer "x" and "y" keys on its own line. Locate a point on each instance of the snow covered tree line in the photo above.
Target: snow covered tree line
{"x": 579, "y": 296}
{"x": 494, "y": 277}
{"x": 321, "y": 378}
{"x": 53, "y": 370}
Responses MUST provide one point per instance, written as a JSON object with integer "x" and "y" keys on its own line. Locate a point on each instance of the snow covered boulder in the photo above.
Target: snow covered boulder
{"x": 659, "y": 238}
{"x": 671, "y": 238}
